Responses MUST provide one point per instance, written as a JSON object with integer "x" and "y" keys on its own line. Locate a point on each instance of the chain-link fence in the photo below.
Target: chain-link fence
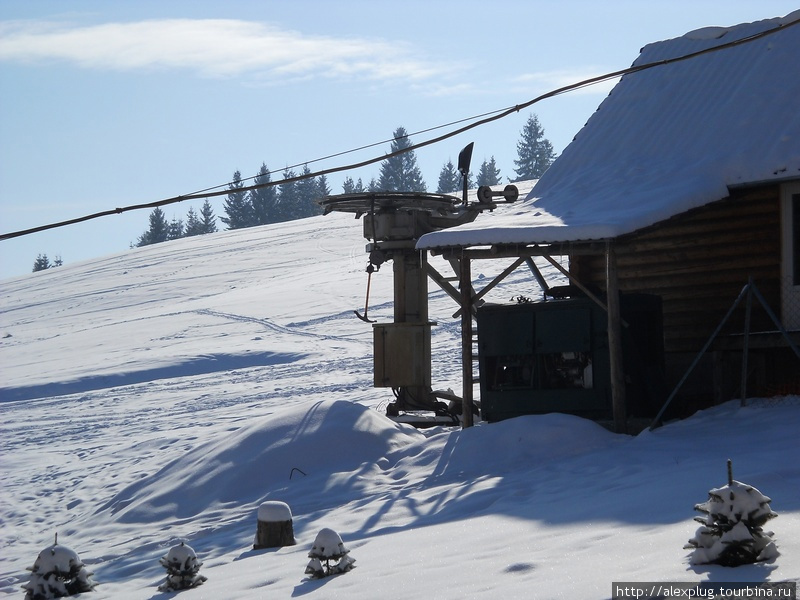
{"x": 780, "y": 381}
{"x": 773, "y": 401}
{"x": 790, "y": 304}
{"x": 760, "y": 336}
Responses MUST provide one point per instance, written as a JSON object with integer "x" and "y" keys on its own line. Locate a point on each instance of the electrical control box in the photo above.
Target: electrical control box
{"x": 402, "y": 354}
{"x": 540, "y": 357}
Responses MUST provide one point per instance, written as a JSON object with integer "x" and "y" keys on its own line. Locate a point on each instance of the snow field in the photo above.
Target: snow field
{"x": 163, "y": 394}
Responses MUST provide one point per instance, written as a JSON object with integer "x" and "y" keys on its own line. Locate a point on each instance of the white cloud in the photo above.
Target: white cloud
{"x": 212, "y": 47}
{"x": 545, "y": 81}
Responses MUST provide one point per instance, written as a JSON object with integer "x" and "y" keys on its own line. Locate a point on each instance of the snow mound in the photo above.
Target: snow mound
{"x": 707, "y": 33}
{"x": 498, "y": 447}
{"x": 303, "y": 443}
{"x": 544, "y": 437}
{"x": 274, "y": 511}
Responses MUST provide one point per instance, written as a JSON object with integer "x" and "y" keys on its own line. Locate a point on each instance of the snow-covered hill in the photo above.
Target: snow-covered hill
{"x": 160, "y": 395}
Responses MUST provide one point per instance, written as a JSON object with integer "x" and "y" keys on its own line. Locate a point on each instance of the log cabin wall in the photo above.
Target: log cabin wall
{"x": 698, "y": 263}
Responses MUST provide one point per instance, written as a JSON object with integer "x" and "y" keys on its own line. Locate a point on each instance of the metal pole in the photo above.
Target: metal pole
{"x": 465, "y": 279}
{"x": 537, "y": 275}
{"x": 746, "y": 342}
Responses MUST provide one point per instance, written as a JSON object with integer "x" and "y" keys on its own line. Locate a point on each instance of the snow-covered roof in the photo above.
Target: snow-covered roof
{"x": 665, "y": 140}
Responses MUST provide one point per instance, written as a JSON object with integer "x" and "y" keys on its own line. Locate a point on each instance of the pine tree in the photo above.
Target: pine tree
{"x": 535, "y": 153}
{"x": 264, "y": 200}
{"x": 175, "y": 229}
{"x": 58, "y": 572}
{"x": 328, "y": 546}
{"x": 193, "y": 224}
{"x": 41, "y": 263}
{"x": 158, "y": 231}
{"x": 182, "y": 569}
{"x": 449, "y": 179}
{"x": 58, "y": 262}
{"x": 306, "y": 194}
{"x": 237, "y": 206}
{"x": 323, "y": 189}
{"x": 731, "y": 532}
{"x": 400, "y": 173}
{"x": 351, "y": 187}
{"x": 209, "y": 220}
{"x": 286, "y": 194}
{"x": 488, "y": 174}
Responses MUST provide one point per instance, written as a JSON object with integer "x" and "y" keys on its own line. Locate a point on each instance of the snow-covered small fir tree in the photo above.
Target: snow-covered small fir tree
{"x": 182, "y": 569}
{"x": 328, "y": 546}
{"x": 57, "y": 572}
{"x": 731, "y": 531}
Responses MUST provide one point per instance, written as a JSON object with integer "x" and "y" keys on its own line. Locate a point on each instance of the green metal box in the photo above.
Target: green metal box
{"x": 553, "y": 356}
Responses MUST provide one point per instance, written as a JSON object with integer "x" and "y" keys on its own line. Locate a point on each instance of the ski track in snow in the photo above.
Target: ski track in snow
{"x": 292, "y": 329}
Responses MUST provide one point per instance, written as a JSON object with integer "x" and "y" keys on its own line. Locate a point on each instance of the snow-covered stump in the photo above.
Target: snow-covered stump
{"x": 57, "y": 572}
{"x": 327, "y": 547}
{"x": 731, "y": 533}
{"x": 182, "y": 569}
{"x": 275, "y": 527}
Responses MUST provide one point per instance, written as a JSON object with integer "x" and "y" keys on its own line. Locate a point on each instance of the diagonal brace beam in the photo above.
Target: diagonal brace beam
{"x": 506, "y": 272}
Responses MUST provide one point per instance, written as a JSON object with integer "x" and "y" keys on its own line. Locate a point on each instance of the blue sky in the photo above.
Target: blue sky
{"x": 106, "y": 104}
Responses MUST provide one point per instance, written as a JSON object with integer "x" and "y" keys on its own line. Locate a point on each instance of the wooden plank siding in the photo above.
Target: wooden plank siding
{"x": 698, "y": 262}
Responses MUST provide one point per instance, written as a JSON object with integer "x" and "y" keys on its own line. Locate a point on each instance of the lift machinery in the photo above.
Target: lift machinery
{"x": 393, "y": 222}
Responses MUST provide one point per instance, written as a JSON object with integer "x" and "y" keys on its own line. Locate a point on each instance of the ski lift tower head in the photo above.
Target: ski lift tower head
{"x": 393, "y": 222}
{"x": 396, "y": 220}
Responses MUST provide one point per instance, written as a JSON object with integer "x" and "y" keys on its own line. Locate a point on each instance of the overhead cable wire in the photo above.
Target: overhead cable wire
{"x": 482, "y": 120}
{"x": 359, "y": 149}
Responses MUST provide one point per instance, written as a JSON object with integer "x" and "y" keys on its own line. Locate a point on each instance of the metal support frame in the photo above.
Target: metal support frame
{"x": 465, "y": 283}
{"x": 476, "y": 297}
{"x": 748, "y": 290}
{"x": 746, "y": 341}
{"x": 537, "y": 274}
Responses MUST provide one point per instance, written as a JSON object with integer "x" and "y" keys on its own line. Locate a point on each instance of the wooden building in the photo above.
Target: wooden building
{"x": 698, "y": 263}
{"x": 684, "y": 184}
